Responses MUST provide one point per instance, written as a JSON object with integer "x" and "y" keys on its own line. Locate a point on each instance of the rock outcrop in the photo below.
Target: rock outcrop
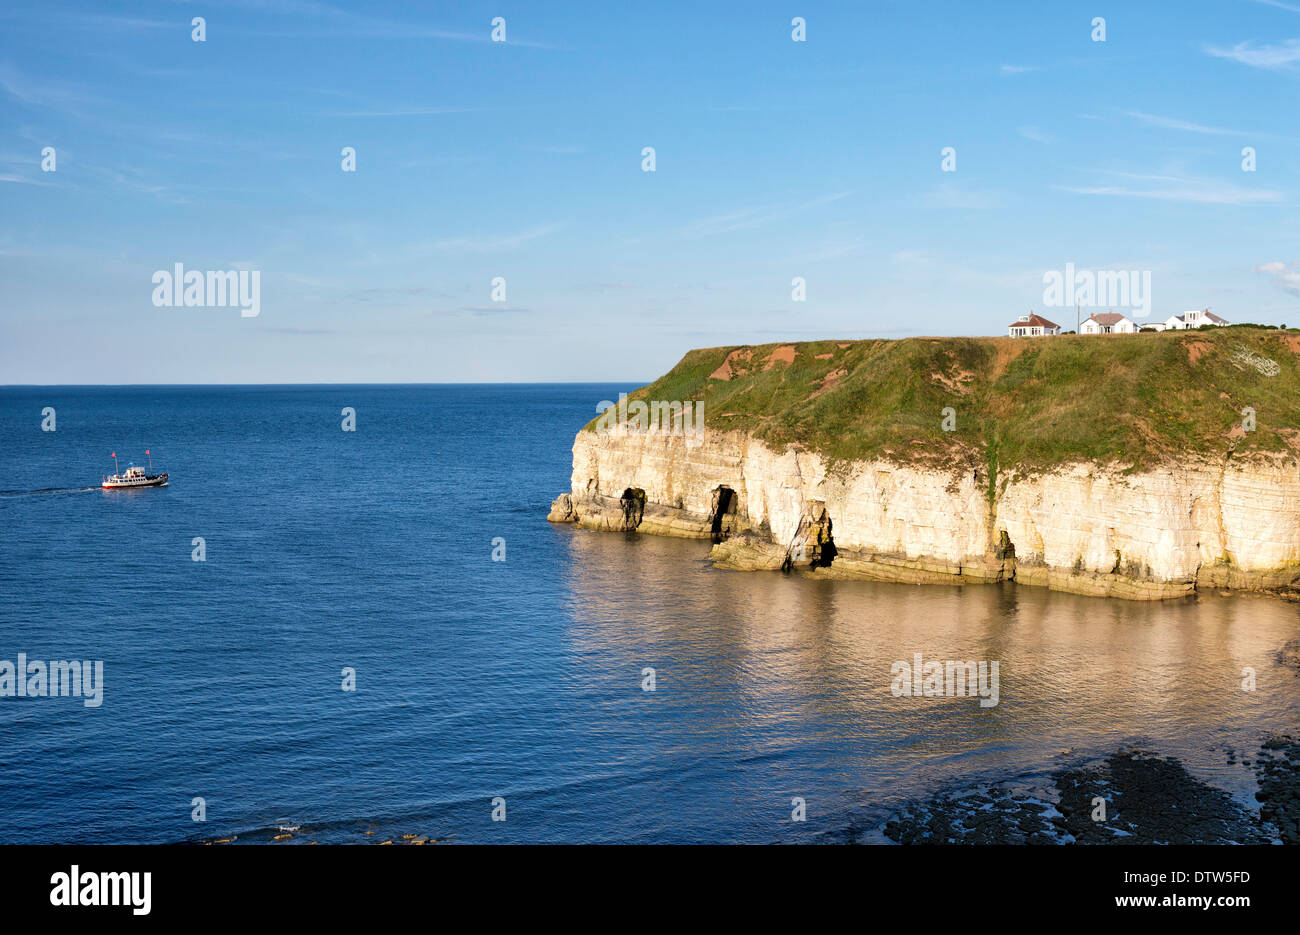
{"x": 1157, "y": 533}
{"x": 1290, "y": 655}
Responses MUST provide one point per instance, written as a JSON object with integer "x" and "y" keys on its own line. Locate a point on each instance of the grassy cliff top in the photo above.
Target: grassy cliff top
{"x": 1129, "y": 400}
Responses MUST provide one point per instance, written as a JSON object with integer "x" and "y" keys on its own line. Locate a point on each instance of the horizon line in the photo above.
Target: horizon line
{"x": 23, "y": 386}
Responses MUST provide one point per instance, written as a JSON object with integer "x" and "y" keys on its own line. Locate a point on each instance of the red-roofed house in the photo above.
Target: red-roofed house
{"x": 1032, "y": 326}
{"x": 1107, "y": 323}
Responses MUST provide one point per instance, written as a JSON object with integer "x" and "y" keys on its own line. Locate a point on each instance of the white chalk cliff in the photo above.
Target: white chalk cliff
{"x": 1083, "y": 528}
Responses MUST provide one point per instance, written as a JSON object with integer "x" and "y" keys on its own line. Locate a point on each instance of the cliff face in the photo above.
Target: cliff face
{"x": 1139, "y": 466}
{"x": 1084, "y": 528}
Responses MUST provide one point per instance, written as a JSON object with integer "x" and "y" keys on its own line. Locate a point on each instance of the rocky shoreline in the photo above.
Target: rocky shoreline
{"x": 1149, "y": 799}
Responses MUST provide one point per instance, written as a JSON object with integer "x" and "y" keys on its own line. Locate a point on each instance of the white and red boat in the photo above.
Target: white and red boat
{"x": 134, "y": 476}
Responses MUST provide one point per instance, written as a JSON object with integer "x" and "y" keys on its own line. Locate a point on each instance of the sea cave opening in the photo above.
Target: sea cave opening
{"x": 633, "y": 503}
{"x": 723, "y": 514}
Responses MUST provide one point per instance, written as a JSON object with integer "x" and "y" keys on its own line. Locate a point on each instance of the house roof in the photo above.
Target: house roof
{"x": 1034, "y": 321}
{"x": 1206, "y": 312}
{"x": 1107, "y": 318}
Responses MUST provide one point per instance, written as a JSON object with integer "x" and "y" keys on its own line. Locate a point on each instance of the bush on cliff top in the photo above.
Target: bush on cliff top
{"x": 1128, "y": 400}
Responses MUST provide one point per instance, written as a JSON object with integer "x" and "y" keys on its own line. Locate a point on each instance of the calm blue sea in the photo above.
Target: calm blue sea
{"x": 519, "y": 679}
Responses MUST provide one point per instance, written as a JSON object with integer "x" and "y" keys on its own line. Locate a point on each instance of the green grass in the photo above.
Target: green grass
{"x": 1035, "y": 403}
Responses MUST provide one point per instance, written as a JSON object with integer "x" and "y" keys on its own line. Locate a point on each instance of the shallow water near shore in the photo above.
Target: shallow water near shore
{"x": 521, "y": 679}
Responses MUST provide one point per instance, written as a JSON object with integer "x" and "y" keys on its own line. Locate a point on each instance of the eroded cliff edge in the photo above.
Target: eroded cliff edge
{"x": 1057, "y": 463}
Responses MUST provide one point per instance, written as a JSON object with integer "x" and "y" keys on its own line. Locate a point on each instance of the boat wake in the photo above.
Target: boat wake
{"x": 45, "y": 490}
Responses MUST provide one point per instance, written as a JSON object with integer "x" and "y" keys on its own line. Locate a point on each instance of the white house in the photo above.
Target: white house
{"x": 1194, "y": 319}
{"x": 1032, "y": 326}
{"x": 1107, "y": 323}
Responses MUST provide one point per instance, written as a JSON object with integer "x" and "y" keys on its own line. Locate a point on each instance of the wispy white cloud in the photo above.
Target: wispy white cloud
{"x": 1010, "y": 70}
{"x": 1285, "y": 276}
{"x": 110, "y": 21}
{"x": 400, "y": 112}
{"x": 724, "y": 223}
{"x": 299, "y": 17}
{"x": 491, "y": 244}
{"x": 951, "y": 195}
{"x": 831, "y": 251}
{"x": 1174, "y": 188}
{"x": 754, "y": 216}
{"x": 20, "y": 180}
{"x": 1279, "y": 5}
{"x": 39, "y": 93}
{"x": 478, "y": 311}
{"x": 321, "y": 20}
{"x": 1036, "y": 135}
{"x": 556, "y": 150}
{"x": 1283, "y": 56}
{"x": 1139, "y": 176}
{"x": 32, "y": 14}
{"x": 1173, "y": 123}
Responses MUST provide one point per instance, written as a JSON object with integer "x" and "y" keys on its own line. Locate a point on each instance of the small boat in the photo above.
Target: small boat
{"x": 134, "y": 476}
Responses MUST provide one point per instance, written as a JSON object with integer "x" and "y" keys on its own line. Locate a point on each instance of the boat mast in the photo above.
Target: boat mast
{"x": 146, "y": 451}
{"x": 115, "y": 469}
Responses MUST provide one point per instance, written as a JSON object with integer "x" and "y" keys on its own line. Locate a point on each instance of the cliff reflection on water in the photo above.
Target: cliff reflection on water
{"x": 770, "y": 687}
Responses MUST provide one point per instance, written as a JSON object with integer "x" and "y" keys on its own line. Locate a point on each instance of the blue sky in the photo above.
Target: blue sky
{"x": 522, "y": 159}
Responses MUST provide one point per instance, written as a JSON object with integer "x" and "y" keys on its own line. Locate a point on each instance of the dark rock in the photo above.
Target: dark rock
{"x": 1291, "y": 654}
